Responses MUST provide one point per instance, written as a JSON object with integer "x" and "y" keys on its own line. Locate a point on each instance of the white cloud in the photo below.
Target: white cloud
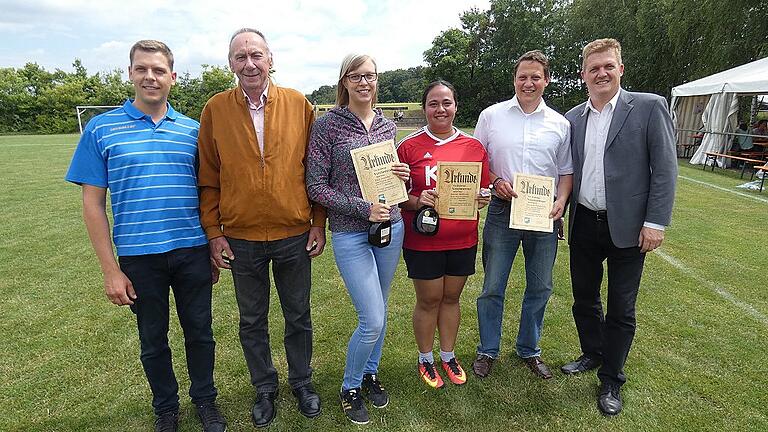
{"x": 308, "y": 38}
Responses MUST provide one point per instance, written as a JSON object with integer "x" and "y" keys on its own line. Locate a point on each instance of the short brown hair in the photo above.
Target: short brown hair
{"x": 150, "y": 45}
{"x": 536, "y": 56}
{"x": 600, "y": 45}
{"x": 352, "y": 62}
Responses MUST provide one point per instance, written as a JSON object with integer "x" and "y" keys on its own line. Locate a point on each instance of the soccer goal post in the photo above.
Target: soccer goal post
{"x": 83, "y": 114}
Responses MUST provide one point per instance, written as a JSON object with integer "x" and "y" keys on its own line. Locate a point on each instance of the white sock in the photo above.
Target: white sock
{"x": 426, "y": 357}
{"x": 446, "y": 356}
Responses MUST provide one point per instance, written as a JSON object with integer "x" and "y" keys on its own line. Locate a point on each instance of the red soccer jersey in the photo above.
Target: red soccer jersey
{"x": 422, "y": 151}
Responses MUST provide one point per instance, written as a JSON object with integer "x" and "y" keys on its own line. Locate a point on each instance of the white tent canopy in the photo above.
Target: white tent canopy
{"x": 748, "y": 78}
{"x": 719, "y": 114}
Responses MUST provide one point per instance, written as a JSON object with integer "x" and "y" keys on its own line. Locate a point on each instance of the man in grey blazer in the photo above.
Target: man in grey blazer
{"x": 625, "y": 170}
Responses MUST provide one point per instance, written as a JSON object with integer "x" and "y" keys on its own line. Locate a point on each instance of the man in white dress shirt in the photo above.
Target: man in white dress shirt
{"x": 625, "y": 168}
{"x": 521, "y": 135}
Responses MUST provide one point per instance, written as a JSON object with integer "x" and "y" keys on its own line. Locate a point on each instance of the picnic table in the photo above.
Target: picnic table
{"x": 764, "y": 169}
{"x": 712, "y": 156}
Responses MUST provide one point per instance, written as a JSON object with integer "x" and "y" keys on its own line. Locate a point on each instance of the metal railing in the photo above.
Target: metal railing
{"x": 686, "y": 146}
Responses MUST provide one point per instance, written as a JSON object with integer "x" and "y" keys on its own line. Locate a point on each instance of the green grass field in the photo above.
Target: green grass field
{"x": 70, "y": 359}
{"x": 409, "y": 109}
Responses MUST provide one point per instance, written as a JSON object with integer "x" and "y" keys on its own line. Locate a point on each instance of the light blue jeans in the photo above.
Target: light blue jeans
{"x": 500, "y": 245}
{"x": 367, "y": 272}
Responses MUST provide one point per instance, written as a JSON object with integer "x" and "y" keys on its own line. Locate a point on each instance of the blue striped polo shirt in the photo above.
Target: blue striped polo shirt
{"x": 150, "y": 171}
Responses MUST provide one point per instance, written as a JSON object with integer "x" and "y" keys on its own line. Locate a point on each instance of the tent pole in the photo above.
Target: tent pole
{"x": 753, "y": 111}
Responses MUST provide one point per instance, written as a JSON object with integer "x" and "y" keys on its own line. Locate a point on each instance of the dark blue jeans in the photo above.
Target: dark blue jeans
{"x": 188, "y": 272}
{"x": 500, "y": 245}
{"x": 292, "y": 273}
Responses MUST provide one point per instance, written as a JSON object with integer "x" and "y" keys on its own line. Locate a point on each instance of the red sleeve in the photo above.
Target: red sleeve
{"x": 485, "y": 176}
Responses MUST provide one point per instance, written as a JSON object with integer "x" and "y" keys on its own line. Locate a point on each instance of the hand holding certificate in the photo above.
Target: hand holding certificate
{"x": 530, "y": 210}
{"x": 373, "y": 167}
{"x": 458, "y": 184}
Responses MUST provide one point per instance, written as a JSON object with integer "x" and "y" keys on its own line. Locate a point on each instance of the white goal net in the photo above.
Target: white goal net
{"x": 87, "y": 112}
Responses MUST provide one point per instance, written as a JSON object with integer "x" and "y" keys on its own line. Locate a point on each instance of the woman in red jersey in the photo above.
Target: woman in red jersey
{"x": 439, "y": 265}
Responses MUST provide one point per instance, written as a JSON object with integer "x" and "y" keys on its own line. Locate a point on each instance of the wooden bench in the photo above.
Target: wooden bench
{"x": 764, "y": 169}
{"x": 689, "y": 147}
{"x": 749, "y": 154}
{"x": 711, "y": 156}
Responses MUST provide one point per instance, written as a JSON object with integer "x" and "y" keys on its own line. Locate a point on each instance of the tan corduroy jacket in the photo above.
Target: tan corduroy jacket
{"x": 247, "y": 195}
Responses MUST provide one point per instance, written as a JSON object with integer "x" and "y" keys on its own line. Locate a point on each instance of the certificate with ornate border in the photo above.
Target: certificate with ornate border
{"x": 457, "y": 186}
{"x": 373, "y": 168}
{"x": 530, "y": 210}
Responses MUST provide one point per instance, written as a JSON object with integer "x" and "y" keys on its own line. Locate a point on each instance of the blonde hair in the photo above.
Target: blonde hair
{"x": 600, "y": 45}
{"x": 151, "y": 46}
{"x": 352, "y": 62}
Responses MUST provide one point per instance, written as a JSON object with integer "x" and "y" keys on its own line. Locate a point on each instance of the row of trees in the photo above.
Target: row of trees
{"x": 33, "y": 100}
{"x": 665, "y": 43}
{"x": 400, "y": 85}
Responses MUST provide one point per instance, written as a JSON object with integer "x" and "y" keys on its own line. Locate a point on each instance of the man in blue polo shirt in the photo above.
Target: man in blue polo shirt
{"x": 145, "y": 154}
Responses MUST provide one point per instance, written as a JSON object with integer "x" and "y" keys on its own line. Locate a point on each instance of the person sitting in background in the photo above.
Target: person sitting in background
{"x": 742, "y": 142}
{"x": 761, "y": 128}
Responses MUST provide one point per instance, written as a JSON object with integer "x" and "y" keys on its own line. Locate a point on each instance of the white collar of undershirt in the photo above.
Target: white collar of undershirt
{"x": 515, "y": 103}
{"x": 262, "y": 98}
{"x": 440, "y": 141}
{"x": 614, "y": 100}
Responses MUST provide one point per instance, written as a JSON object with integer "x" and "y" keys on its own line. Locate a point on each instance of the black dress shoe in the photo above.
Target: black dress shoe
{"x": 538, "y": 367}
{"x": 263, "y": 411}
{"x": 581, "y": 364}
{"x": 609, "y": 399}
{"x": 309, "y": 401}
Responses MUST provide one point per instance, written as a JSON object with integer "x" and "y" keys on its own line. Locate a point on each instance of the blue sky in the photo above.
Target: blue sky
{"x": 308, "y": 38}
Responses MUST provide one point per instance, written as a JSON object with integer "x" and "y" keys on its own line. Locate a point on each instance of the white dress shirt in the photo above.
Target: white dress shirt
{"x": 592, "y": 191}
{"x": 537, "y": 143}
{"x": 257, "y": 116}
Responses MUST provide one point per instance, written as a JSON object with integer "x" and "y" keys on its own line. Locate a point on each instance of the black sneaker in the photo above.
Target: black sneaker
{"x": 353, "y": 406}
{"x": 374, "y": 391}
{"x": 167, "y": 422}
{"x": 211, "y": 418}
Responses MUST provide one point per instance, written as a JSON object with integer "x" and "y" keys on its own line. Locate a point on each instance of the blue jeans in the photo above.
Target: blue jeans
{"x": 367, "y": 272}
{"x": 500, "y": 244}
{"x": 186, "y": 271}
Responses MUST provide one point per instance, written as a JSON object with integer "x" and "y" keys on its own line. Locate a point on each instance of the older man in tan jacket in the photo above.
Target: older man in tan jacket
{"x": 255, "y": 211}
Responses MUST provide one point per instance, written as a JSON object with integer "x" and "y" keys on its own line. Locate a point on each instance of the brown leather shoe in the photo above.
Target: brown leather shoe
{"x": 482, "y": 365}
{"x": 538, "y": 367}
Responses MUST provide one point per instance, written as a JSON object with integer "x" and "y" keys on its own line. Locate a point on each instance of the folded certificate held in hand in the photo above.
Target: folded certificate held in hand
{"x": 373, "y": 167}
{"x": 457, "y": 186}
{"x": 530, "y": 210}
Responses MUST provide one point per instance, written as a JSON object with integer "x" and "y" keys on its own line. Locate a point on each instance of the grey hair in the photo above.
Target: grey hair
{"x": 249, "y": 30}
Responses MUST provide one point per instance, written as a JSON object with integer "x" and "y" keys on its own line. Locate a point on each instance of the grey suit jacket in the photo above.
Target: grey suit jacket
{"x": 640, "y": 165}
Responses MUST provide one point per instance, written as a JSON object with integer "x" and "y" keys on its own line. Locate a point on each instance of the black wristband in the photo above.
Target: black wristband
{"x": 498, "y": 179}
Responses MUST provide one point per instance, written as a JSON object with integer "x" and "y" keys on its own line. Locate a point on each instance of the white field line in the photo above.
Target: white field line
{"x": 722, "y": 292}
{"x": 741, "y": 194}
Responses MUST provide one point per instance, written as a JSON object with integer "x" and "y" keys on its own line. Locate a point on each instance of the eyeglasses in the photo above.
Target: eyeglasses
{"x": 369, "y": 77}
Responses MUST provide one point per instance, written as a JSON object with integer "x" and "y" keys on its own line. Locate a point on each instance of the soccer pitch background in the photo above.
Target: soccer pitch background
{"x": 70, "y": 359}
